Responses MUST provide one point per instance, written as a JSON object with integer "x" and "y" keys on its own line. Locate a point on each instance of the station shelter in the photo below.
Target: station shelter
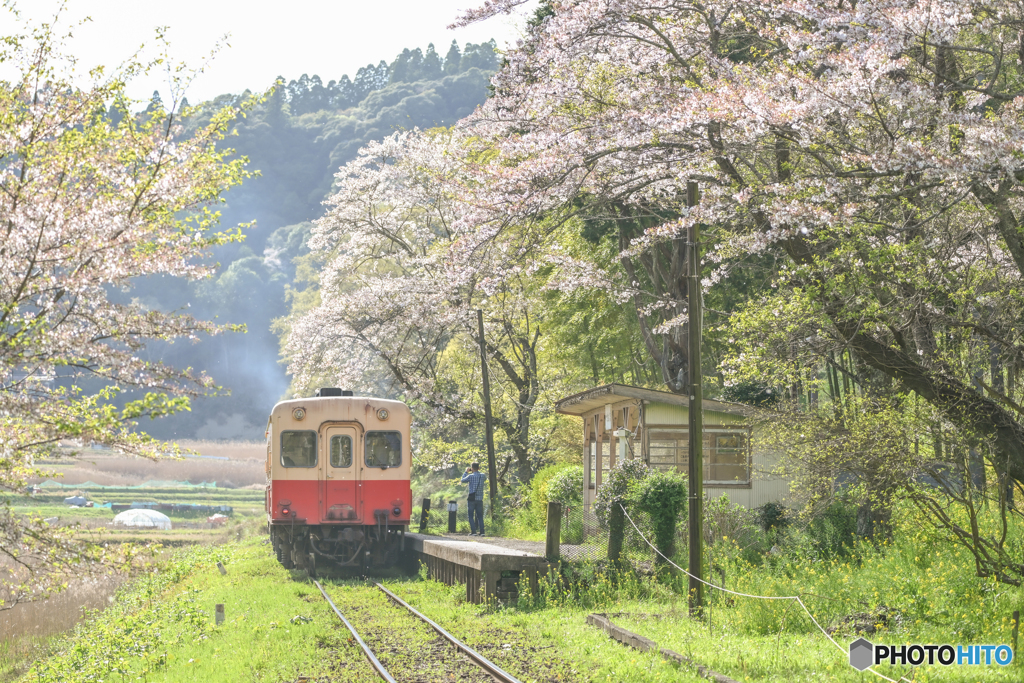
{"x": 621, "y": 421}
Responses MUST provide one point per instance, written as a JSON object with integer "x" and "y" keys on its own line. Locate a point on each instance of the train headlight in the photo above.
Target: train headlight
{"x": 397, "y": 512}
{"x": 285, "y": 512}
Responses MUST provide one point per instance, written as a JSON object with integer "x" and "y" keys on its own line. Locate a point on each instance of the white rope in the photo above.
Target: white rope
{"x": 759, "y": 597}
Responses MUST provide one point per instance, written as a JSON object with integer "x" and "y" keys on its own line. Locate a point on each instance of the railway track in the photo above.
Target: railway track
{"x": 489, "y": 667}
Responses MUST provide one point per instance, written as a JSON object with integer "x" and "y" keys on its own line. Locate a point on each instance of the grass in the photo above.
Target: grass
{"x": 244, "y": 466}
{"x": 26, "y": 630}
{"x": 407, "y": 646}
{"x": 594, "y": 656}
{"x": 926, "y": 587}
{"x": 162, "y": 628}
{"x": 914, "y": 588}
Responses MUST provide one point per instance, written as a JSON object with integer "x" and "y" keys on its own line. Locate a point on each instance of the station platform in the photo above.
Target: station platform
{"x": 489, "y": 572}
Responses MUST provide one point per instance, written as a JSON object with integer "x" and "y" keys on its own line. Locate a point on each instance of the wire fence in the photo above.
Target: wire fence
{"x": 439, "y": 520}
{"x": 583, "y": 535}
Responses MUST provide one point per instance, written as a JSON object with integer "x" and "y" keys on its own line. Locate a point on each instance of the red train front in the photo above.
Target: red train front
{"x": 338, "y": 480}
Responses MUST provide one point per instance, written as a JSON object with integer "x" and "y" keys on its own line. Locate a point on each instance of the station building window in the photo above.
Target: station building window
{"x": 726, "y": 453}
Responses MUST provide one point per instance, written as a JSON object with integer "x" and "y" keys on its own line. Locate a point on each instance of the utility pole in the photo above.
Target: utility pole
{"x": 696, "y": 431}
{"x": 492, "y": 464}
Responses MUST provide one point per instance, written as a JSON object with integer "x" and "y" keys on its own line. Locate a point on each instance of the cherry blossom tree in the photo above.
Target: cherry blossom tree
{"x": 86, "y": 205}
{"x": 874, "y": 146}
{"x": 401, "y": 286}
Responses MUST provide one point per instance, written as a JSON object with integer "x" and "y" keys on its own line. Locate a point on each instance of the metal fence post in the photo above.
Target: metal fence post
{"x": 552, "y": 545}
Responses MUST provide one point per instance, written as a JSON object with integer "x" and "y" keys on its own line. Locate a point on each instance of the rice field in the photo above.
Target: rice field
{"x": 28, "y": 630}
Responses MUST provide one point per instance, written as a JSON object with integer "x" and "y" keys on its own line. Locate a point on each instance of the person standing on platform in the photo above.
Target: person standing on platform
{"x": 475, "y": 478}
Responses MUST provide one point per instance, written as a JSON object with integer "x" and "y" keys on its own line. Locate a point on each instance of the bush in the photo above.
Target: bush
{"x": 533, "y": 512}
{"x": 615, "y": 491}
{"x": 612, "y": 496}
{"x": 833, "y": 532}
{"x": 723, "y": 520}
{"x": 773, "y": 516}
{"x": 566, "y": 486}
{"x": 663, "y": 496}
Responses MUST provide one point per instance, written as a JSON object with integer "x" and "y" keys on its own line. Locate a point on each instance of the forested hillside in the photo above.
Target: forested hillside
{"x": 296, "y": 139}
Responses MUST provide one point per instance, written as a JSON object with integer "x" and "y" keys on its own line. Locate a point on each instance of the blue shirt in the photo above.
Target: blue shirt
{"x": 476, "y": 482}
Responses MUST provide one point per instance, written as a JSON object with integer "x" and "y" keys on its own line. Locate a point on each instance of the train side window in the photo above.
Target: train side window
{"x": 341, "y": 451}
{"x": 383, "y": 449}
{"x": 298, "y": 449}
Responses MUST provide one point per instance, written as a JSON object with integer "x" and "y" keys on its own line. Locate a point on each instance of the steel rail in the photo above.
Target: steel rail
{"x": 487, "y": 665}
{"x": 374, "y": 662}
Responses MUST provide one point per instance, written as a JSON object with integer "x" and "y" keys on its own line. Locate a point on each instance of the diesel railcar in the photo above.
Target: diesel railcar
{"x": 338, "y": 489}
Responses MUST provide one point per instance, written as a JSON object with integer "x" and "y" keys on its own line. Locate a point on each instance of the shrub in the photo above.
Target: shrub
{"x": 773, "y": 516}
{"x": 724, "y": 520}
{"x": 663, "y": 496}
{"x": 534, "y": 507}
{"x": 612, "y": 496}
{"x": 566, "y": 486}
{"x": 833, "y": 532}
{"x": 615, "y": 491}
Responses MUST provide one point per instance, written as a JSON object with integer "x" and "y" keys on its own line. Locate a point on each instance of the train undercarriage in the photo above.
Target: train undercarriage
{"x": 316, "y": 548}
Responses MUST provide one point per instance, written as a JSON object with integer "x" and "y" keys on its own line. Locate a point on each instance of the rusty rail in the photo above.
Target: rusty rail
{"x": 487, "y": 665}
{"x": 374, "y": 662}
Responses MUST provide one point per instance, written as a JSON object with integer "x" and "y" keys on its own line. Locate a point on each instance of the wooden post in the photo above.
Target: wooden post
{"x": 1016, "y": 630}
{"x": 492, "y": 463}
{"x": 219, "y": 612}
{"x": 696, "y": 431}
{"x": 552, "y": 540}
{"x": 424, "y": 515}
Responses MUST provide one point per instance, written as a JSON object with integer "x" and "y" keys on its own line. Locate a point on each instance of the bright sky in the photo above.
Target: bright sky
{"x": 266, "y": 38}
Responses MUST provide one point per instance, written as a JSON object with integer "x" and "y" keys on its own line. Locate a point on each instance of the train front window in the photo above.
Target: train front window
{"x": 383, "y": 449}
{"x": 298, "y": 449}
{"x": 341, "y": 451}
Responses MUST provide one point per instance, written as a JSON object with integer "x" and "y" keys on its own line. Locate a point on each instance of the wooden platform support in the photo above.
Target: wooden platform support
{"x": 489, "y": 572}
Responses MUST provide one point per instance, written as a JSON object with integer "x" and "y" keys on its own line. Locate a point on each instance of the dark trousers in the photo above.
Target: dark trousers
{"x": 476, "y": 515}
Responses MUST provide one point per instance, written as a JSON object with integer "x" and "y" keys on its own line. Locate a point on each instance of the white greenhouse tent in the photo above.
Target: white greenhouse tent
{"x": 143, "y": 518}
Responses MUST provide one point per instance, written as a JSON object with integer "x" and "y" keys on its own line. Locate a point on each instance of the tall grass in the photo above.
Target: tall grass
{"x": 27, "y": 629}
{"x": 114, "y": 470}
{"x": 915, "y": 586}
